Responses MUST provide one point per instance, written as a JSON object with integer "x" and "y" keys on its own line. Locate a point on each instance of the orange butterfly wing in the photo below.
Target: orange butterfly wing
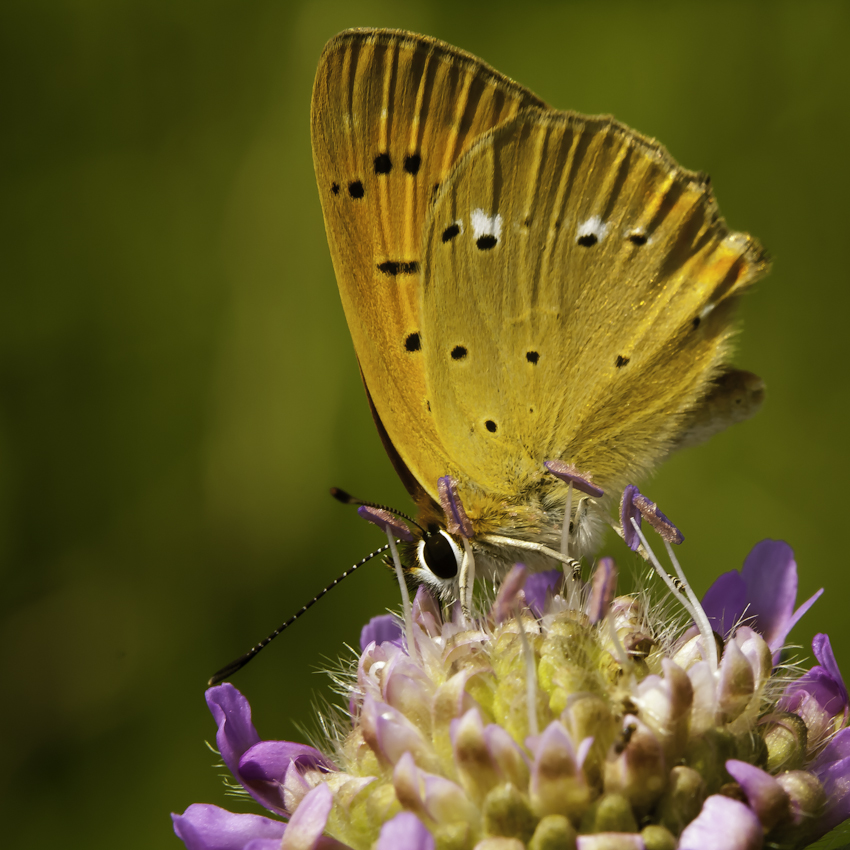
{"x": 392, "y": 113}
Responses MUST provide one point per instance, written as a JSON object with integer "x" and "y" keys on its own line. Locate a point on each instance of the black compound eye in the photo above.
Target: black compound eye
{"x": 439, "y": 554}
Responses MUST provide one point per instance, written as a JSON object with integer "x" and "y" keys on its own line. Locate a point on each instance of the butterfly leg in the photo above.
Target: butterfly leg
{"x": 501, "y": 540}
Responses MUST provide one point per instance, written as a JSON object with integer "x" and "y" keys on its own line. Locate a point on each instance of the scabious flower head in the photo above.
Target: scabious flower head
{"x": 561, "y": 717}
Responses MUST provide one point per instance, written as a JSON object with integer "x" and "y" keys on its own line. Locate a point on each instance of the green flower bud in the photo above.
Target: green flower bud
{"x": 786, "y": 738}
{"x": 610, "y": 813}
{"x": 507, "y": 813}
{"x": 554, "y": 832}
{"x": 682, "y": 799}
{"x": 658, "y": 838}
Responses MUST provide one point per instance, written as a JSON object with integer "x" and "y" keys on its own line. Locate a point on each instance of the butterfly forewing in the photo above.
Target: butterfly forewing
{"x": 392, "y": 113}
{"x": 580, "y": 308}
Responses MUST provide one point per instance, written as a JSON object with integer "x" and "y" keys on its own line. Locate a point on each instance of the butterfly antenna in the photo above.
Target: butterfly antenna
{"x": 227, "y": 671}
{"x": 348, "y": 499}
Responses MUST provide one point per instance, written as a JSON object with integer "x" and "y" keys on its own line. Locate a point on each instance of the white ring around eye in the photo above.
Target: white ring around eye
{"x": 420, "y": 556}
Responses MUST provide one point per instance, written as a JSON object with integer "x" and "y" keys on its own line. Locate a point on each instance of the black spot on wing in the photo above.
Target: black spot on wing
{"x": 622, "y": 361}
{"x": 393, "y": 268}
{"x": 412, "y": 162}
{"x": 490, "y": 425}
{"x": 450, "y": 232}
{"x": 696, "y": 322}
{"x": 637, "y": 238}
{"x": 412, "y": 343}
{"x": 383, "y": 163}
{"x": 335, "y": 188}
{"x": 355, "y": 189}
{"x": 588, "y": 240}
{"x": 486, "y": 242}
{"x": 458, "y": 352}
{"x": 532, "y": 356}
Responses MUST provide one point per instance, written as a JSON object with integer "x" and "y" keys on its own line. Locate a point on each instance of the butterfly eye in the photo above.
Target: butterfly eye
{"x": 439, "y": 554}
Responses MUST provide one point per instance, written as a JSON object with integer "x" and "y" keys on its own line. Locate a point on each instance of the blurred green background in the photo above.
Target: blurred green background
{"x": 179, "y": 388}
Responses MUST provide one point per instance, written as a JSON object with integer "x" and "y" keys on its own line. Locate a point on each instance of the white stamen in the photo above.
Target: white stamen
{"x": 701, "y": 622}
{"x": 485, "y": 225}
{"x": 530, "y": 677}
{"x": 405, "y": 598}
{"x": 619, "y": 649}
{"x": 701, "y": 619}
{"x": 592, "y": 227}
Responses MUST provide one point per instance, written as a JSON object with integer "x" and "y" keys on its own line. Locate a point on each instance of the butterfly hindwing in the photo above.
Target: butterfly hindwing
{"x": 392, "y": 112}
{"x": 577, "y": 287}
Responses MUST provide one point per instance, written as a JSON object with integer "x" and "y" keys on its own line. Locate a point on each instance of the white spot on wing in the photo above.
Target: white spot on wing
{"x": 485, "y": 225}
{"x": 593, "y": 226}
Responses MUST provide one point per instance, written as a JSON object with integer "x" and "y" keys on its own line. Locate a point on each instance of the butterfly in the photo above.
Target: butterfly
{"x": 538, "y": 299}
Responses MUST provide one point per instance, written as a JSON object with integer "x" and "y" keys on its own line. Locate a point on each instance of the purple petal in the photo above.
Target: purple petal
{"x": 205, "y": 827}
{"x": 540, "y": 587}
{"x": 269, "y": 760}
{"x": 823, "y": 682}
{"x": 767, "y": 798}
{"x": 389, "y": 734}
{"x": 822, "y": 649}
{"x": 306, "y": 826}
{"x": 384, "y": 628}
{"x": 836, "y": 784}
{"x": 770, "y": 573}
{"x": 723, "y": 823}
{"x": 407, "y": 831}
{"x": 567, "y": 472}
{"x": 457, "y": 521}
{"x": 837, "y": 749}
{"x": 796, "y": 617}
{"x": 386, "y": 522}
{"x": 260, "y": 766}
{"x": 604, "y": 584}
{"x": 764, "y": 592}
{"x": 507, "y": 600}
{"x": 236, "y": 733}
{"x": 266, "y": 767}
{"x": 725, "y": 602}
{"x": 629, "y": 512}
{"x": 232, "y": 713}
